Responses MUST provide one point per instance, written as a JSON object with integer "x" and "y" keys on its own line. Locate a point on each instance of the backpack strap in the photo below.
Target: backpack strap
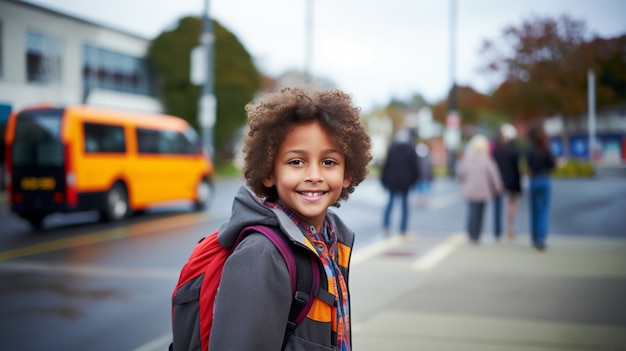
{"x": 304, "y": 273}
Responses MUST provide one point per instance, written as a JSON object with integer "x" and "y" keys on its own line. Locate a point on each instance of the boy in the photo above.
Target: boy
{"x": 305, "y": 151}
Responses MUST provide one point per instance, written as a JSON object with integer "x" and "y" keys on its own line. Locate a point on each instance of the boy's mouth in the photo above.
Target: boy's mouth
{"x": 312, "y": 193}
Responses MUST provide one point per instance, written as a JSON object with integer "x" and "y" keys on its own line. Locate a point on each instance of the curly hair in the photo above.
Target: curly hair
{"x": 277, "y": 113}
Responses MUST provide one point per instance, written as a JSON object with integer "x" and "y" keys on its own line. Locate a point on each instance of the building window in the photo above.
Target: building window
{"x": 43, "y": 58}
{"x": 105, "y": 69}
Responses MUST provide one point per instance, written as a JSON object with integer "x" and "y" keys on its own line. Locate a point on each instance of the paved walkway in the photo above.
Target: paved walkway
{"x": 424, "y": 294}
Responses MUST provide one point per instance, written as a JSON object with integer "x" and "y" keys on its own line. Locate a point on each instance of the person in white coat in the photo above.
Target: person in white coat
{"x": 480, "y": 182}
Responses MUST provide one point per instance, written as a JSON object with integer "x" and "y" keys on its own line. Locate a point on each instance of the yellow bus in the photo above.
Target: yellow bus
{"x": 82, "y": 158}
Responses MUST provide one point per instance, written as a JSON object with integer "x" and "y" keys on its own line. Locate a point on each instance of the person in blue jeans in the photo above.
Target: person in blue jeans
{"x": 398, "y": 176}
{"x": 540, "y": 161}
{"x": 425, "y": 175}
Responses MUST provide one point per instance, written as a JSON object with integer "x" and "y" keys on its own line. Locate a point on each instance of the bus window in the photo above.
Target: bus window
{"x": 165, "y": 142}
{"x": 147, "y": 141}
{"x": 193, "y": 141}
{"x": 50, "y": 154}
{"x": 37, "y": 139}
{"x": 183, "y": 146}
{"x": 104, "y": 138}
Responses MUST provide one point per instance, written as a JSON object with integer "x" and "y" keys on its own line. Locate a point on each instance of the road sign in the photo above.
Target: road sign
{"x": 198, "y": 72}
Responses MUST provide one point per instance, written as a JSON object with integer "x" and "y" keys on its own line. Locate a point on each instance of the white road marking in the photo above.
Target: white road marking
{"x": 375, "y": 248}
{"x": 433, "y": 257}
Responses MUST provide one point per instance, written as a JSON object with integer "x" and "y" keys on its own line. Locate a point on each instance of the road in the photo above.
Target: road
{"x": 84, "y": 285}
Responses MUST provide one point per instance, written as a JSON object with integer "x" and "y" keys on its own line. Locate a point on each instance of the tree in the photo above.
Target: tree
{"x": 471, "y": 105}
{"x": 236, "y": 79}
{"x": 544, "y": 69}
{"x": 609, "y": 58}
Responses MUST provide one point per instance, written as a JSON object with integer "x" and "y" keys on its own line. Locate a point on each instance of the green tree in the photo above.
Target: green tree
{"x": 236, "y": 79}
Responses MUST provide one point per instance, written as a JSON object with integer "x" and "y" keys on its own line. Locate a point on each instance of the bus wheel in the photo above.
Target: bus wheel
{"x": 115, "y": 203}
{"x": 204, "y": 195}
{"x": 36, "y": 221}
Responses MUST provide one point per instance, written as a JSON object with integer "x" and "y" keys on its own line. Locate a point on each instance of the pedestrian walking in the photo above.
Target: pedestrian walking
{"x": 399, "y": 175}
{"x": 424, "y": 174}
{"x": 480, "y": 182}
{"x": 506, "y": 155}
{"x": 540, "y": 161}
{"x": 305, "y": 151}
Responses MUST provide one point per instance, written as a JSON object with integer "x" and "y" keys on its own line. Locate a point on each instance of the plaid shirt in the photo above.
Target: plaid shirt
{"x": 326, "y": 245}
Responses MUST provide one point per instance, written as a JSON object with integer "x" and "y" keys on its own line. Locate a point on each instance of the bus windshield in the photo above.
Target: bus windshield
{"x": 37, "y": 140}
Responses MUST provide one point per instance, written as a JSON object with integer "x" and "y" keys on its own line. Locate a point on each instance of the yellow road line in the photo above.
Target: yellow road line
{"x": 106, "y": 235}
{"x": 89, "y": 270}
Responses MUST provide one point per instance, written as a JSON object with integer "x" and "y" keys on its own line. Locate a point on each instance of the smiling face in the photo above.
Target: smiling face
{"x": 309, "y": 173}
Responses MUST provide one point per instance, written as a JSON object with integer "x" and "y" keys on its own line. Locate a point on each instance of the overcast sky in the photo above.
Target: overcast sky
{"x": 373, "y": 49}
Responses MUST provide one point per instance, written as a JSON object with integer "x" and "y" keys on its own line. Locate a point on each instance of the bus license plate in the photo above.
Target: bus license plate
{"x": 38, "y": 183}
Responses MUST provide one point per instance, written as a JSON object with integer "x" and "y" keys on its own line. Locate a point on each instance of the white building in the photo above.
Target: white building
{"x": 53, "y": 58}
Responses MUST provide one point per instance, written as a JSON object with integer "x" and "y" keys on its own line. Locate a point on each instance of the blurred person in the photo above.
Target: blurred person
{"x": 480, "y": 182}
{"x": 398, "y": 176}
{"x": 506, "y": 155}
{"x": 425, "y": 173}
{"x": 540, "y": 162}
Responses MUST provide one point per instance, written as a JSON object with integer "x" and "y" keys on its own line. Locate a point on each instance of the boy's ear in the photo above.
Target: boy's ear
{"x": 347, "y": 179}
{"x": 269, "y": 181}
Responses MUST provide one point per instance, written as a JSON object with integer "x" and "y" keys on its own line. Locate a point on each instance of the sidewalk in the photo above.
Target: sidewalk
{"x": 415, "y": 295}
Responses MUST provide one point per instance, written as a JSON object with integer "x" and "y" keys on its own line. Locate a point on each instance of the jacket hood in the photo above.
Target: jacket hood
{"x": 248, "y": 210}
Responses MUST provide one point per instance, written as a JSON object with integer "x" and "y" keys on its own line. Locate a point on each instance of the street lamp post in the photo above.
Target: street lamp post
{"x": 591, "y": 109}
{"x": 208, "y": 103}
{"x": 452, "y": 136}
{"x": 308, "y": 52}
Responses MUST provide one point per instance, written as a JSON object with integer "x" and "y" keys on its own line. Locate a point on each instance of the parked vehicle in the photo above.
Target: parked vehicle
{"x": 82, "y": 158}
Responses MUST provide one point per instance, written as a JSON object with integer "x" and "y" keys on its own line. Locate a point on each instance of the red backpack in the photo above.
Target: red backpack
{"x": 194, "y": 295}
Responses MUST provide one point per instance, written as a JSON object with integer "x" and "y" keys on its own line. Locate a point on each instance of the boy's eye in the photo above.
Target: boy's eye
{"x": 296, "y": 162}
{"x": 329, "y": 162}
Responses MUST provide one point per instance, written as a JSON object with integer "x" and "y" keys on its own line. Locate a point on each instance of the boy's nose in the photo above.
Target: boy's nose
{"x": 314, "y": 175}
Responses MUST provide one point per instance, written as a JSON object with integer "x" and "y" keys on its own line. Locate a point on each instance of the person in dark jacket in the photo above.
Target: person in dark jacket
{"x": 399, "y": 175}
{"x": 506, "y": 155}
{"x": 305, "y": 151}
{"x": 540, "y": 162}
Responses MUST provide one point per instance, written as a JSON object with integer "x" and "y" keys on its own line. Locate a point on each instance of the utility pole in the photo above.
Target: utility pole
{"x": 208, "y": 103}
{"x": 591, "y": 108}
{"x": 308, "y": 50}
{"x": 452, "y": 134}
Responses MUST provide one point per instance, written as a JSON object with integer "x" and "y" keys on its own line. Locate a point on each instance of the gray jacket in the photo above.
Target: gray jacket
{"x": 254, "y": 297}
